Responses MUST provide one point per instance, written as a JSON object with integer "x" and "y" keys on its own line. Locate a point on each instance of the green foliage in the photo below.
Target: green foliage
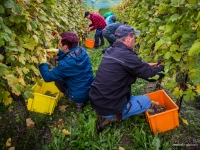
{"x": 83, "y": 135}
{"x": 26, "y": 28}
{"x": 58, "y": 141}
{"x": 95, "y": 58}
{"x": 169, "y": 30}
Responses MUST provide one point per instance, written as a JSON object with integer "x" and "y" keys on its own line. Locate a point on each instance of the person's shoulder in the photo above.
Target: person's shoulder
{"x": 120, "y": 23}
{"x": 63, "y": 63}
{"x": 82, "y": 48}
{"x": 95, "y": 14}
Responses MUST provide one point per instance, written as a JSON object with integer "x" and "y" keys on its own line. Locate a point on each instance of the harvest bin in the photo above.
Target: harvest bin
{"x": 166, "y": 120}
{"x": 89, "y": 43}
{"x": 43, "y": 103}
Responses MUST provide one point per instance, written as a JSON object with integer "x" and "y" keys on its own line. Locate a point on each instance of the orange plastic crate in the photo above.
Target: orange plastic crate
{"x": 166, "y": 120}
{"x": 89, "y": 43}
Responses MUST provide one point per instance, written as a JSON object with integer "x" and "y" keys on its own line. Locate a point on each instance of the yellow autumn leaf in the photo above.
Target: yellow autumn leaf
{"x": 177, "y": 92}
{"x": 21, "y": 80}
{"x": 60, "y": 123}
{"x": 192, "y": 71}
{"x": 10, "y": 108}
{"x": 198, "y": 89}
{"x": 121, "y": 148}
{"x": 11, "y": 78}
{"x": 34, "y": 59}
{"x": 184, "y": 120}
{"x": 22, "y": 59}
{"x": 8, "y": 142}
{"x": 30, "y": 123}
{"x": 66, "y": 132}
{"x": 62, "y": 108}
{"x": 25, "y": 70}
{"x": 195, "y": 26}
{"x": 35, "y": 38}
{"x": 36, "y": 71}
{"x": 190, "y": 86}
{"x": 8, "y": 101}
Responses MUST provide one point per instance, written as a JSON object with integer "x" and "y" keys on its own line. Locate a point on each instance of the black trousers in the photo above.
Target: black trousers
{"x": 61, "y": 86}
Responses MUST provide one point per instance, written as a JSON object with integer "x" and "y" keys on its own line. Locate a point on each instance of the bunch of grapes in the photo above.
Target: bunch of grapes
{"x": 155, "y": 108}
{"x": 51, "y": 94}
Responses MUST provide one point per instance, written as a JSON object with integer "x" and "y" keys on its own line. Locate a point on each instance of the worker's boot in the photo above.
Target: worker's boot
{"x": 79, "y": 106}
{"x": 102, "y": 122}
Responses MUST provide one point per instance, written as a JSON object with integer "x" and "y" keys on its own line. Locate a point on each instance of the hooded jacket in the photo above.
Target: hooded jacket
{"x": 119, "y": 68}
{"x": 74, "y": 68}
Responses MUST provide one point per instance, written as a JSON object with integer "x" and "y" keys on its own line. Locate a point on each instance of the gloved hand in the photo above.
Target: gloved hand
{"x": 51, "y": 51}
{"x": 43, "y": 58}
{"x": 153, "y": 65}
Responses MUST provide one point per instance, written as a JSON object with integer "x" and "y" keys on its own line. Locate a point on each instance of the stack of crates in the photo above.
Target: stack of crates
{"x": 42, "y": 102}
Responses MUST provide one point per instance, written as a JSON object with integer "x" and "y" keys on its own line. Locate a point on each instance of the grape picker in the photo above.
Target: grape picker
{"x": 73, "y": 75}
{"x": 110, "y": 93}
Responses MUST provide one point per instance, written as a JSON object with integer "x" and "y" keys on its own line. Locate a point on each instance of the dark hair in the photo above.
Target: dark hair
{"x": 70, "y": 39}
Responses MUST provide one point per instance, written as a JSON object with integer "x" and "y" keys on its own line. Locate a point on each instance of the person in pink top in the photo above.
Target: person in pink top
{"x": 98, "y": 24}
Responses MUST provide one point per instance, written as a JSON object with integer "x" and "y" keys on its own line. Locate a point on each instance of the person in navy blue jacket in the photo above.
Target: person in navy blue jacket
{"x": 73, "y": 75}
{"x": 110, "y": 93}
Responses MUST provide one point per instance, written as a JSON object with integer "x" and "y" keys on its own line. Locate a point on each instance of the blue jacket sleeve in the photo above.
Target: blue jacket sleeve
{"x": 51, "y": 75}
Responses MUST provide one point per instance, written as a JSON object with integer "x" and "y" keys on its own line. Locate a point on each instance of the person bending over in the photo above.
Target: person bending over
{"x": 73, "y": 75}
{"x": 99, "y": 24}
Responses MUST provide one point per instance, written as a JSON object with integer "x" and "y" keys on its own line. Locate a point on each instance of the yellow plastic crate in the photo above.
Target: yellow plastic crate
{"x": 43, "y": 103}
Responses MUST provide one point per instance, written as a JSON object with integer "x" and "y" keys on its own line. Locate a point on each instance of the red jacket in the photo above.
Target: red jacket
{"x": 98, "y": 22}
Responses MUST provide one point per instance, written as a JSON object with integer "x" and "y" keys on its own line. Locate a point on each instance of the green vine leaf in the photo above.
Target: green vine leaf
{"x": 177, "y": 2}
{"x": 9, "y": 4}
{"x": 168, "y": 55}
{"x": 17, "y": 9}
{"x": 1, "y": 9}
{"x": 177, "y": 56}
{"x": 28, "y": 94}
{"x": 22, "y": 59}
{"x": 174, "y": 17}
{"x": 3, "y": 69}
{"x": 192, "y": 1}
{"x": 189, "y": 94}
{"x": 1, "y": 57}
{"x": 195, "y": 49}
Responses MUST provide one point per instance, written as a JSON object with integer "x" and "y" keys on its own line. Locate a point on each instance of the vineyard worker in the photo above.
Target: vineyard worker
{"x": 111, "y": 19}
{"x": 99, "y": 24}
{"x": 107, "y": 14}
{"x": 110, "y": 93}
{"x": 109, "y": 33}
{"x": 73, "y": 75}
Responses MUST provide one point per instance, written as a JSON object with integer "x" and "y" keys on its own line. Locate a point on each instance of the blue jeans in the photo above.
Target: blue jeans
{"x": 138, "y": 105}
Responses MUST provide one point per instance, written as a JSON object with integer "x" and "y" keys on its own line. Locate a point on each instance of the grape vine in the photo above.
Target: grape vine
{"x": 169, "y": 31}
{"x": 26, "y": 28}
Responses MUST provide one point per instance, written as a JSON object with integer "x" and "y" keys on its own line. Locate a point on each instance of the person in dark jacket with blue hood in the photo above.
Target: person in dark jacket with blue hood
{"x": 73, "y": 75}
